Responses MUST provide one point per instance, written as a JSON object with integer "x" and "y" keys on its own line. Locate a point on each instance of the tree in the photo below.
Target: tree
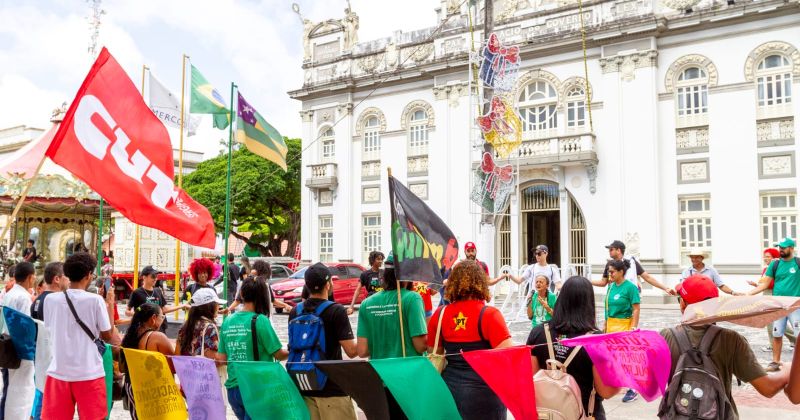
{"x": 265, "y": 200}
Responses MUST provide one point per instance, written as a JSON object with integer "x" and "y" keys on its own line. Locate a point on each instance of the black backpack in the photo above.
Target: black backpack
{"x": 695, "y": 390}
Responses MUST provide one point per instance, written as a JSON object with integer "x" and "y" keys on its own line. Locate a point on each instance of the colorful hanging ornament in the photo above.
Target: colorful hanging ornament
{"x": 500, "y": 65}
{"x": 501, "y": 127}
{"x": 493, "y": 185}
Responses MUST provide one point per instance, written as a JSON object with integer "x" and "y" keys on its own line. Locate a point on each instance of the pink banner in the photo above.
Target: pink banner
{"x": 636, "y": 359}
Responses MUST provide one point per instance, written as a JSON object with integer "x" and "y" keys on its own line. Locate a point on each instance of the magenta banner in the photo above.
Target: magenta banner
{"x": 200, "y": 383}
{"x": 637, "y": 359}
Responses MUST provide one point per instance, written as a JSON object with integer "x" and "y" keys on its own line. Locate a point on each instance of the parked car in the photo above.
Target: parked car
{"x": 345, "y": 277}
{"x": 280, "y": 272}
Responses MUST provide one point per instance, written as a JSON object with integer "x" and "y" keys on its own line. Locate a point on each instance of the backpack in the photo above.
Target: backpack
{"x": 774, "y": 271}
{"x": 695, "y": 390}
{"x": 558, "y": 396}
{"x": 307, "y": 345}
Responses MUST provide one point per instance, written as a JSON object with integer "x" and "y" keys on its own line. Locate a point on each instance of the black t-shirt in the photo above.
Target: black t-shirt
{"x": 337, "y": 328}
{"x": 141, "y": 296}
{"x": 371, "y": 280}
{"x": 192, "y": 288}
{"x": 233, "y": 281}
{"x": 580, "y": 368}
{"x": 37, "y": 307}
{"x": 639, "y": 268}
{"x": 29, "y": 254}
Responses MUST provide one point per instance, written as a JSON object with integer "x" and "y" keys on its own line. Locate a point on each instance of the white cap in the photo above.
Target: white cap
{"x": 204, "y": 296}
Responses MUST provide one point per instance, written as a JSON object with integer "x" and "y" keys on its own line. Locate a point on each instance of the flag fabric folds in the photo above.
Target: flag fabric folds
{"x": 155, "y": 393}
{"x": 43, "y": 355}
{"x": 637, "y": 359}
{"x": 424, "y": 247}
{"x": 207, "y": 100}
{"x": 22, "y": 330}
{"x": 418, "y": 388}
{"x": 269, "y": 393}
{"x": 200, "y": 383}
{"x": 259, "y": 137}
{"x": 167, "y": 107}
{"x": 108, "y": 369}
{"x": 111, "y": 140}
{"x": 361, "y": 382}
{"x": 495, "y": 367}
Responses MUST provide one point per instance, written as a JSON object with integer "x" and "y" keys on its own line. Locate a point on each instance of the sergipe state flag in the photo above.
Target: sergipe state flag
{"x": 423, "y": 245}
{"x": 207, "y": 100}
{"x": 111, "y": 140}
{"x": 259, "y": 137}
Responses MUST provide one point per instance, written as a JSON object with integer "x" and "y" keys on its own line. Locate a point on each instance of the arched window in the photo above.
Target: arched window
{"x": 328, "y": 143}
{"x": 537, "y": 107}
{"x": 576, "y": 107}
{"x": 692, "y": 92}
{"x": 372, "y": 139}
{"x": 774, "y": 81}
{"x": 418, "y": 133}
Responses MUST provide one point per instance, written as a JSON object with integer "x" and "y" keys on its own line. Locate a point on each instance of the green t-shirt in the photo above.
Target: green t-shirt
{"x": 236, "y": 341}
{"x": 787, "y": 279}
{"x": 540, "y": 314}
{"x": 378, "y": 323}
{"x": 620, "y": 300}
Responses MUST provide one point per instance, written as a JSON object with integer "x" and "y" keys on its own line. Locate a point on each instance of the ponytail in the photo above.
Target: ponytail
{"x": 140, "y": 316}
{"x": 620, "y": 265}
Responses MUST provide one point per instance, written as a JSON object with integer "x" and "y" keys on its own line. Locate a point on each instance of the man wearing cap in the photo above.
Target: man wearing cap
{"x": 616, "y": 250}
{"x": 785, "y": 271}
{"x": 471, "y": 253}
{"x": 699, "y": 267}
{"x": 729, "y": 350}
{"x": 331, "y": 402}
{"x": 540, "y": 268}
{"x": 148, "y": 293}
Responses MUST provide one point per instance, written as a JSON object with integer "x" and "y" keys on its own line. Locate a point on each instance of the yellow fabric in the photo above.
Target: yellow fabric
{"x": 618, "y": 324}
{"x": 155, "y": 393}
{"x": 330, "y": 408}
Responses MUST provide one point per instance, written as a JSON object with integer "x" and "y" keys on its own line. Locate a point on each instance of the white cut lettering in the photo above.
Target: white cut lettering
{"x": 90, "y": 137}
{"x": 133, "y": 166}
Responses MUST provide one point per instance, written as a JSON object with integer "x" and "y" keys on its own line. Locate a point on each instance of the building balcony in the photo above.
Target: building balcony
{"x": 323, "y": 177}
{"x": 573, "y": 149}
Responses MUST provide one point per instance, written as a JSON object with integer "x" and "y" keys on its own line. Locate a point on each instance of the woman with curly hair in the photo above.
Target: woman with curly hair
{"x": 467, "y": 324}
{"x": 201, "y": 270}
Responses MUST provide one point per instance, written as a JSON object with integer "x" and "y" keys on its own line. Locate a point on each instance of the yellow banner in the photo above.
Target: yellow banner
{"x": 155, "y": 393}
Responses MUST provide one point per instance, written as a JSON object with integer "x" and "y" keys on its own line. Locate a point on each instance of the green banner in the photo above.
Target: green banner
{"x": 269, "y": 393}
{"x": 417, "y": 387}
{"x": 108, "y": 367}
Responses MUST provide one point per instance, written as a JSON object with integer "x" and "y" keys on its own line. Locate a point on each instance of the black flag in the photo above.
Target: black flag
{"x": 423, "y": 246}
{"x": 361, "y": 382}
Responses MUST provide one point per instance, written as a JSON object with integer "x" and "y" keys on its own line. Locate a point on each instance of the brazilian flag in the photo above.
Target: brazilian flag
{"x": 207, "y": 100}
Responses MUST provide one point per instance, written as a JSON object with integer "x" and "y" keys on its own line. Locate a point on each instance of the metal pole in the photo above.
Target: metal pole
{"x": 225, "y": 270}
{"x": 180, "y": 182}
{"x": 138, "y": 228}
{"x": 100, "y": 240}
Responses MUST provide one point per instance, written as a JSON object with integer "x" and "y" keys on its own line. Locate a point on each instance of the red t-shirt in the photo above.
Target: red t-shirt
{"x": 460, "y": 323}
{"x": 426, "y": 293}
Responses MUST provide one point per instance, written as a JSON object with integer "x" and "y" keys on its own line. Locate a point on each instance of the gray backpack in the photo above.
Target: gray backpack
{"x": 695, "y": 391}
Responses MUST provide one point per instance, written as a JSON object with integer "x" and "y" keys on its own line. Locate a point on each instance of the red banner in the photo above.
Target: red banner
{"x": 111, "y": 140}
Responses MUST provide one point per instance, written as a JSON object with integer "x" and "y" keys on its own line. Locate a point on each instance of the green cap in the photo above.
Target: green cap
{"x": 786, "y": 243}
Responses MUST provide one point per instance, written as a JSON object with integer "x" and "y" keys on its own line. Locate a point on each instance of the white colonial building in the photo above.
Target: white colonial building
{"x": 692, "y": 142}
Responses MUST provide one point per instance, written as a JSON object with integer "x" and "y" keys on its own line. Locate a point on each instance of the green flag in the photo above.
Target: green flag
{"x": 269, "y": 393}
{"x": 258, "y": 135}
{"x": 108, "y": 368}
{"x": 417, "y": 387}
{"x": 207, "y": 100}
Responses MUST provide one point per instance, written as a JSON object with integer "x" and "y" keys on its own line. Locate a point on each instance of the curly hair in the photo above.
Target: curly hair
{"x": 467, "y": 281}
{"x": 199, "y": 265}
{"x": 79, "y": 265}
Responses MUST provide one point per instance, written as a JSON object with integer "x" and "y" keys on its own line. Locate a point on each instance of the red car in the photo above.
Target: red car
{"x": 345, "y": 278}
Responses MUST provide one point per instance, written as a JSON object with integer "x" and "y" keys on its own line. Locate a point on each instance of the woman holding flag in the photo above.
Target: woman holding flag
{"x": 466, "y": 324}
{"x": 622, "y": 306}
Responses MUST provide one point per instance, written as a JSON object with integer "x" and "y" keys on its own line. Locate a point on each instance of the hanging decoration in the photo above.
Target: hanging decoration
{"x": 501, "y": 127}
{"x": 493, "y": 185}
{"x": 499, "y": 65}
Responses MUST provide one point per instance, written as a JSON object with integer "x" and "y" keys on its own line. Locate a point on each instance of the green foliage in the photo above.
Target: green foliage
{"x": 265, "y": 200}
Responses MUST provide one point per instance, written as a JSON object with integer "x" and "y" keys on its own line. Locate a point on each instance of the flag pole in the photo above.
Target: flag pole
{"x": 180, "y": 181}
{"x": 138, "y": 228}
{"x": 22, "y": 197}
{"x": 399, "y": 295}
{"x": 225, "y": 270}
{"x": 100, "y": 240}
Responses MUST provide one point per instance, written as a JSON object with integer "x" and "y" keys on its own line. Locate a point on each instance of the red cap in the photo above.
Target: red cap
{"x": 697, "y": 288}
{"x": 105, "y": 259}
{"x": 469, "y": 245}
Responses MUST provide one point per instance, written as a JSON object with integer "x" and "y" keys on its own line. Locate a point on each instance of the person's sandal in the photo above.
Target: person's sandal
{"x": 773, "y": 367}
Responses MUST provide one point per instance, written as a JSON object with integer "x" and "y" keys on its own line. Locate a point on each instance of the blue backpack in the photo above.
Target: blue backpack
{"x": 307, "y": 345}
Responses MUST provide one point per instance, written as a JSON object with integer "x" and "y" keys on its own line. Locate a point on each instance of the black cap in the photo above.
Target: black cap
{"x": 616, "y": 244}
{"x": 316, "y": 277}
{"x": 541, "y": 248}
{"x": 149, "y": 270}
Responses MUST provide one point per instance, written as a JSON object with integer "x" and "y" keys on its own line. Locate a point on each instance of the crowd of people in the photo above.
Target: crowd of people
{"x": 395, "y": 320}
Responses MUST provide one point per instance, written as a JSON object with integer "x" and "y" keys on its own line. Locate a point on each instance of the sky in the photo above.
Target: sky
{"x": 256, "y": 44}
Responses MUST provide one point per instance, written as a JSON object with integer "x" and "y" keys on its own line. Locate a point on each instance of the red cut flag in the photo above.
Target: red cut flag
{"x": 111, "y": 140}
{"x": 509, "y": 374}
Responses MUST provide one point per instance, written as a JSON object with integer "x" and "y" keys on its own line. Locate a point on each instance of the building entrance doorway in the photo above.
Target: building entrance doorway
{"x": 543, "y": 228}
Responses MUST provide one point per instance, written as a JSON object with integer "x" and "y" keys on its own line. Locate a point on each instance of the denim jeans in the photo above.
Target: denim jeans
{"x": 237, "y": 405}
{"x": 779, "y": 326}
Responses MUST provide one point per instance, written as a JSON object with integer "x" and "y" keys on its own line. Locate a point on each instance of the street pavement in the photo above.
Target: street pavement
{"x": 751, "y": 405}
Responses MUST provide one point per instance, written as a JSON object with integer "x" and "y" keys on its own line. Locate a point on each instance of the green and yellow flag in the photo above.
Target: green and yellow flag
{"x": 259, "y": 137}
{"x": 207, "y": 100}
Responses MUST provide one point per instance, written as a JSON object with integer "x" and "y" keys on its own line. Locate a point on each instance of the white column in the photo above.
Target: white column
{"x": 516, "y": 238}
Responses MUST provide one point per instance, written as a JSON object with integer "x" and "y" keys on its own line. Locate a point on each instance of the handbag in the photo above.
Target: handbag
{"x": 8, "y": 353}
{"x": 101, "y": 345}
{"x": 222, "y": 369}
{"x": 439, "y": 361}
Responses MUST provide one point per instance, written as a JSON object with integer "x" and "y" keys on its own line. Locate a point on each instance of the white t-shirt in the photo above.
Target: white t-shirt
{"x": 550, "y": 271}
{"x": 19, "y": 299}
{"x": 75, "y": 357}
